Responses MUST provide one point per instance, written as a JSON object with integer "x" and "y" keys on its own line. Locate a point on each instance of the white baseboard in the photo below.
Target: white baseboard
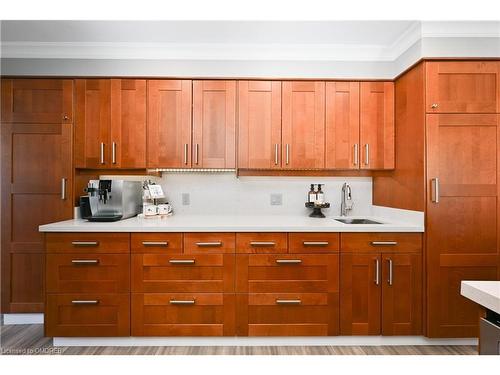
{"x": 10, "y": 319}
{"x": 259, "y": 341}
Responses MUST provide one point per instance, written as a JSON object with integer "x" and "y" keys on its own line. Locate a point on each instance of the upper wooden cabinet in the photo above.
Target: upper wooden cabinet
{"x": 342, "y": 125}
{"x": 462, "y": 87}
{"x": 214, "y": 124}
{"x": 303, "y": 125}
{"x": 41, "y": 101}
{"x": 259, "y": 133}
{"x": 169, "y": 123}
{"x": 110, "y": 129}
{"x": 377, "y": 125}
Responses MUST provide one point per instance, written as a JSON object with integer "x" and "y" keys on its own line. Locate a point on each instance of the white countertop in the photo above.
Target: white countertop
{"x": 484, "y": 293}
{"x": 232, "y": 223}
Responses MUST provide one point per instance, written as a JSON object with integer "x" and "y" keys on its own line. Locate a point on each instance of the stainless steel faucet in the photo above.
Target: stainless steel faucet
{"x": 346, "y": 202}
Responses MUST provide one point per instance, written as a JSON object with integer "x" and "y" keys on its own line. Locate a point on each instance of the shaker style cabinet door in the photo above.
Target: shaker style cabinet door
{"x": 303, "y": 125}
{"x": 92, "y": 127}
{"x": 259, "y": 125}
{"x": 169, "y": 124}
{"x": 462, "y": 87}
{"x": 128, "y": 123}
{"x": 342, "y": 125}
{"x": 377, "y": 130}
{"x": 214, "y": 124}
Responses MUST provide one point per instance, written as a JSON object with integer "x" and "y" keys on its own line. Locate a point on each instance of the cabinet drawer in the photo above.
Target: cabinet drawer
{"x": 266, "y": 273}
{"x": 313, "y": 242}
{"x": 77, "y": 315}
{"x": 288, "y": 314}
{"x": 88, "y": 273}
{"x": 183, "y": 273}
{"x": 380, "y": 242}
{"x": 87, "y": 242}
{"x": 163, "y": 243}
{"x": 206, "y": 243}
{"x": 248, "y": 243}
{"x": 183, "y": 314}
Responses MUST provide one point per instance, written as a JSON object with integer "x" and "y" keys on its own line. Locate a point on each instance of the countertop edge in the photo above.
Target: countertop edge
{"x": 480, "y": 296}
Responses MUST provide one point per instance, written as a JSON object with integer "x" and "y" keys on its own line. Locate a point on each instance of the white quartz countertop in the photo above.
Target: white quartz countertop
{"x": 484, "y": 293}
{"x": 232, "y": 223}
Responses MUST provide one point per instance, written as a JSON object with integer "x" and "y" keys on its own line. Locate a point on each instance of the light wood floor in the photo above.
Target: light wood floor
{"x": 29, "y": 339}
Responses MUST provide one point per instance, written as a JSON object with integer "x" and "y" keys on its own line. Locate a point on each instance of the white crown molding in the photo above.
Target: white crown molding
{"x": 460, "y": 29}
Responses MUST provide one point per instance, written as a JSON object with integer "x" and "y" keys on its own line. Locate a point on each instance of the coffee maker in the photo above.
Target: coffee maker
{"x": 111, "y": 200}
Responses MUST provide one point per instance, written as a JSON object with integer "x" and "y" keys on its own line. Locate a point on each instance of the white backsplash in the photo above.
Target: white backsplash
{"x": 226, "y": 194}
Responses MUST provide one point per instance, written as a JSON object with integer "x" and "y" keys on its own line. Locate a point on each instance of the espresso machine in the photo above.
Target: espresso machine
{"x": 111, "y": 200}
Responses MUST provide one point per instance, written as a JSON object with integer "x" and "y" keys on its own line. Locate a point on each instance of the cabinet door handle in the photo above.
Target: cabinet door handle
{"x": 102, "y": 153}
{"x": 196, "y": 154}
{"x": 155, "y": 243}
{"x": 287, "y": 154}
{"x": 288, "y": 301}
{"x": 435, "y": 190}
{"x": 209, "y": 244}
{"x": 85, "y": 243}
{"x": 288, "y": 261}
{"x": 367, "y": 154}
{"x": 315, "y": 243}
{"x": 186, "y": 153}
{"x": 434, "y": 105}
{"x": 262, "y": 243}
{"x": 182, "y": 302}
{"x": 85, "y": 261}
{"x": 356, "y": 154}
{"x": 384, "y": 243}
{"x": 63, "y": 189}
{"x": 181, "y": 261}
{"x": 377, "y": 272}
{"x": 113, "y": 153}
{"x": 276, "y": 155}
{"x": 389, "y": 280}
{"x": 85, "y": 302}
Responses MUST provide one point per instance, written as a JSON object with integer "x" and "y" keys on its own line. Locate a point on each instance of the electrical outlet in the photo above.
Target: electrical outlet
{"x": 186, "y": 199}
{"x": 276, "y": 199}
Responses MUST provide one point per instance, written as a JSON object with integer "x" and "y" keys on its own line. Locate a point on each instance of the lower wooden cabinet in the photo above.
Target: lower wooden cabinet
{"x": 88, "y": 315}
{"x": 183, "y": 314}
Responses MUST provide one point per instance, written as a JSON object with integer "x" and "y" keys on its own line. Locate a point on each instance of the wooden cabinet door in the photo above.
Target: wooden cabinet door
{"x": 93, "y": 121}
{"x": 462, "y": 216}
{"x": 401, "y": 294}
{"x": 303, "y": 127}
{"x": 169, "y": 124}
{"x": 39, "y": 101}
{"x": 214, "y": 124}
{"x": 462, "y": 87}
{"x": 377, "y": 130}
{"x": 360, "y": 296}
{"x": 259, "y": 125}
{"x": 342, "y": 125}
{"x": 128, "y": 123}
{"x": 34, "y": 161}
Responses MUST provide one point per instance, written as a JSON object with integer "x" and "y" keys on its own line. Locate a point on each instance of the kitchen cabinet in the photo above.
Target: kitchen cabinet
{"x": 214, "y": 124}
{"x": 110, "y": 128}
{"x": 259, "y": 124}
{"x": 376, "y": 123}
{"x": 36, "y": 135}
{"x": 169, "y": 124}
{"x": 462, "y": 87}
{"x": 303, "y": 125}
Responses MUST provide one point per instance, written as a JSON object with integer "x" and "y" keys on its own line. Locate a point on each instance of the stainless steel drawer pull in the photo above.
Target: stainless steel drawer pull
{"x": 276, "y": 154}
{"x": 315, "y": 243}
{"x": 384, "y": 243}
{"x": 287, "y": 154}
{"x": 182, "y": 302}
{"x": 113, "y": 153}
{"x": 390, "y": 271}
{"x": 181, "y": 261}
{"x": 288, "y": 261}
{"x": 85, "y": 302}
{"x": 435, "y": 190}
{"x": 209, "y": 244}
{"x": 367, "y": 154}
{"x": 63, "y": 189}
{"x": 85, "y": 243}
{"x": 102, "y": 153}
{"x": 288, "y": 301}
{"x": 377, "y": 272}
{"x": 356, "y": 154}
{"x": 186, "y": 153}
{"x": 85, "y": 261}
{"x": 262, "y": 243}
{"x": 155, "y": 243}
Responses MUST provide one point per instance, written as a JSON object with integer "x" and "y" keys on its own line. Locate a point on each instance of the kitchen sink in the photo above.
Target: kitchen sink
{"x": 357, "y": 221}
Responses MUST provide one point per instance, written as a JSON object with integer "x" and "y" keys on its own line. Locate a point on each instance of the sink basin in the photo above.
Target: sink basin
{"x": 357, "y": 221}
